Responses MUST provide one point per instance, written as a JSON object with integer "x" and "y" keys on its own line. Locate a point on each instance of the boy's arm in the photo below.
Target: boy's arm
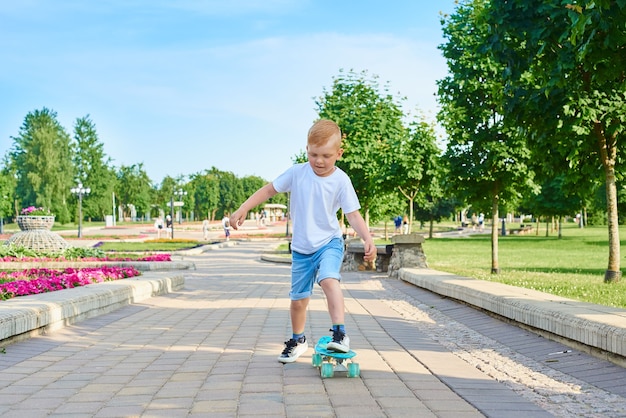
{"x": 258, "y": 197}
{"x": 358, "y": 224}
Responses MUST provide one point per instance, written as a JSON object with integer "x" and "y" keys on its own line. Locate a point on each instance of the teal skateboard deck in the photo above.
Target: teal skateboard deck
{"x": 330, "y": 362}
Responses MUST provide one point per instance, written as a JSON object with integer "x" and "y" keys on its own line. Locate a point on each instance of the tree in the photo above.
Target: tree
{"x": 7, "y": 187}
{"x": 389, "y": 204}
{"x": 93, "y": 169}
{"x": 414, "y": 166}
{"x": 231, "y": 192}
{"x": 164, "y": 193}
{"x": 206, "y": 189}
{"x": 41, "y": 159}
{"x": 133, "y": 190}
{"x": 566, "y": 84}
{"x": 370, "y": 122}
{"x": 251, "y": 184}
{"x": 440, "y": 201}
{"x": 435, "y": 210}
{"x": 487, "y": 156}
{"x": 553, "y": 201}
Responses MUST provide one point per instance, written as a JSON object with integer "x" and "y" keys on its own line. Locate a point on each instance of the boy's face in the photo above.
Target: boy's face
{"x": 323, "y": 157}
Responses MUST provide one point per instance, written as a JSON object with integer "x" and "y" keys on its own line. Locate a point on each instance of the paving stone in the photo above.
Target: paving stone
{"x": 210, "y": 349}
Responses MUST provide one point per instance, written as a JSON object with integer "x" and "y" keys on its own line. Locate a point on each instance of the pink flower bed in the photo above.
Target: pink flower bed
{"x": 34, "y": 281}
{"x": 154, "y": 257}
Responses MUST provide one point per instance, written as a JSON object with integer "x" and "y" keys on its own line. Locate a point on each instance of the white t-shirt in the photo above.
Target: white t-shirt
{"x": 314, "y": 204}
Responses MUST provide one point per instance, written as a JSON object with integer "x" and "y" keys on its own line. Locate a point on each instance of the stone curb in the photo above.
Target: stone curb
{"x": 23, "y": 317}
{"x": 274, "y": 258}
{"x": 598, "y": 327}
{"x": 205, "y": 248}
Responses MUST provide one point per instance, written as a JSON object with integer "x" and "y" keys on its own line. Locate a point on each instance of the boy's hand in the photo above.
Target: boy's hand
{"x": 370, "y": 251}
{"x": 236, "y": 220}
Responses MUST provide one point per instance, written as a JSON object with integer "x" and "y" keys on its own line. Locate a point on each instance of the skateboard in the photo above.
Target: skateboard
{"x": 330, "y": 362}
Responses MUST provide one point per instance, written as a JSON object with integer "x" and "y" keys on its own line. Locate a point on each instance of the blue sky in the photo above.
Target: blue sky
{"x": 185, "y": 85}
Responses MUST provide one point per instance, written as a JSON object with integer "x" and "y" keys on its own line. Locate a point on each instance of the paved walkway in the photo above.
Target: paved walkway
{"x": 210, "y": 350}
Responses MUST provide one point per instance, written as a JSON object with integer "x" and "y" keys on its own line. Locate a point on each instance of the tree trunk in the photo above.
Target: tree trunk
{"x": 613, "y": 272}
{"x": 431, "y": 227}
{"x": 495, "y": 267}
{"x": 410, "y": 214}
{"x": 608, "y": 156}
{"x": 410, "y": 198}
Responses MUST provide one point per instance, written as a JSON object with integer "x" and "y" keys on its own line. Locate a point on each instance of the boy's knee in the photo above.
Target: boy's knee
{"x": 329, "y": 281}
{"x": 299, "y": 305}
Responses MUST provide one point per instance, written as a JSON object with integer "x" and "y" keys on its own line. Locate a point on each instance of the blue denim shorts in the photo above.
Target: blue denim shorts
{"x": 307, "y": 269}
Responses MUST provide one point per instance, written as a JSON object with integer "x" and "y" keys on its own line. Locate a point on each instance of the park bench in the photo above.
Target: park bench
{"x": 353, "y": 257}
{"x": 522, "y": 230}
{"x": 405, "y": 251}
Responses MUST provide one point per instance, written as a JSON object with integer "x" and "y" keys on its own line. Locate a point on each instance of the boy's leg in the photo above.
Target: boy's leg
{"x": 334, "y": 298}
{"x": 297, "y": 311}
{"x": 302, "y": 277}
{"x": 297, "y": 345}
{"x": 336, "y": 308}
{"x": 329, "y": 278}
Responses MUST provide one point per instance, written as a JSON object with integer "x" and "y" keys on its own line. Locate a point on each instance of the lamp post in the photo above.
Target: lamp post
{"x": 80, "y": 191}
{"x": 180, "y": 193}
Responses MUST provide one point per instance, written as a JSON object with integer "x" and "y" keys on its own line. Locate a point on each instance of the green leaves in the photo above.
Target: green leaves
{"x": 371, "y": 122}
{"x": 487, "y": 158}
{"x": 41, "y": 159}
{"x": 387, "y": 161}
{"x": 93, "y": 169}
{"x": 562, "y": 74}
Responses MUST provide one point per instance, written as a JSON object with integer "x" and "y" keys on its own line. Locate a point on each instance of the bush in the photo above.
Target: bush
{"x": 72, "y": 253}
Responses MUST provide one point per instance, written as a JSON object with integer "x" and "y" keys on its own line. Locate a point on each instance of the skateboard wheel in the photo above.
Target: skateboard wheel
{"x": 327, "y": 370}
{"x": 354, "y": 370}
{"x": 316, "y": 359}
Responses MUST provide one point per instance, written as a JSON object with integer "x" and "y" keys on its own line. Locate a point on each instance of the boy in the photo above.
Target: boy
{"x": 318, "y": 190}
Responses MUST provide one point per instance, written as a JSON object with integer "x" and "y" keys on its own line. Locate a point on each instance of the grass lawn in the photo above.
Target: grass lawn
{"x": 571, "y": 267}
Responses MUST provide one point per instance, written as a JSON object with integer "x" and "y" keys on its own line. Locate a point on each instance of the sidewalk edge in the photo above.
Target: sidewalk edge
{"x": 26, "y": 316}
{"x": 596, "y": 326}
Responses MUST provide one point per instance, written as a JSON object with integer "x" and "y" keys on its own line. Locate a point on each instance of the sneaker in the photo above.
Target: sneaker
{"x": 293, "y": 350}
{"x": 340, "y": 342}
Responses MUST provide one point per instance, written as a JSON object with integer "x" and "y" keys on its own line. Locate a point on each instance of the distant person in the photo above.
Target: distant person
{"x": 405, "y": 224}
{"x": 168, "y": 226}
{"x": 226, "y": 226}
{"x": 205, "y": 229}
{"x": 158, "y": 226}
{"x": 474, "y": 221}
{"x": 398, "y": 223}
{"x": 318, "y": 190}
{"x": 481, "y": 222}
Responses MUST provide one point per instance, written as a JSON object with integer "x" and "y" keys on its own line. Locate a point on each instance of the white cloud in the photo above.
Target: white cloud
{"x": 177, "y": 105}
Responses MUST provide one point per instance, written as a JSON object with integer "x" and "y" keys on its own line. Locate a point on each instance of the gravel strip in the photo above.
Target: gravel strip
{"x": 552, "y": 390}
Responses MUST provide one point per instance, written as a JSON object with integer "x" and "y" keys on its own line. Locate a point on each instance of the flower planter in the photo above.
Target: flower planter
{"x": 33, "y": 223}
